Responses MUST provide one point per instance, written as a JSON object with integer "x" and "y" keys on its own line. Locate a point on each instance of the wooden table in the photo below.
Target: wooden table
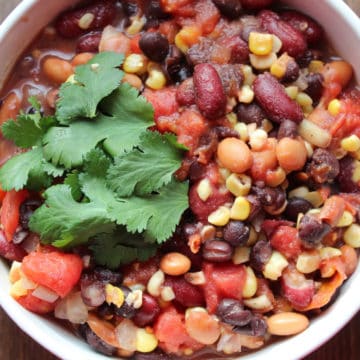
{"x": 15, "y": 345}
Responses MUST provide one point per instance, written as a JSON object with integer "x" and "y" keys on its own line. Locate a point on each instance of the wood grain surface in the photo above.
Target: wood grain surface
{"x": 16, "y": 345}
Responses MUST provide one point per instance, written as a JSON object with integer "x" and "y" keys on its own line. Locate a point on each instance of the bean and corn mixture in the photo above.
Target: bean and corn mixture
{"x": 269, "y": 126}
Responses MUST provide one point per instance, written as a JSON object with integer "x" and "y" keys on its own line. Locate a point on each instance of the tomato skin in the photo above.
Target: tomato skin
{"x": 223, "y": 281}
{"x": 35, "y": 304}
{"x": 163, "y": 101}
{"x": 10, "y": 211}
{"x": 286, "y": 240}
{"x": 171, "y": 332}
{"x": 57, "y": 271}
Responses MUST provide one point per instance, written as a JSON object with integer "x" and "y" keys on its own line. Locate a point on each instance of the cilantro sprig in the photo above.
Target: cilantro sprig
{"x": 115, "y": 189}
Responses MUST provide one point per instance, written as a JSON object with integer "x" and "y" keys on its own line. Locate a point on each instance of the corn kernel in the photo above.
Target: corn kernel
{"x": 137, "y": 24}
{"x": 258, "y": 303}
{"x": 145, "y": 341}
{"x": 258, "y": 139}
{"x": 246, "y": 94}
{"x": 71, "y": 79}
{"x": 135, "y": 64}
{"x": 262, "y": 62}
{"x": 239, "y": 185}
{"x": 195, "y": 278}
{"x": 274, "y": 267}
{"x": 17, "y": 290}
{"x": 334, "y": 107}
{"x": 260, "y": 44}
{"x": 328, "y": 252}
{"x": 352, "y": 236}
{"x": 308, "y": 262}
{"x": 250, "y": 286}
{"x": 304, "y": 99}
{"x": 292, "y": 91}
{"x": 114, "y": 295}
{"x": 278, "y": 69}
{"x": 156, "y": 80}
{"x": 315, "y": 66}
{"x": 315, "y": 198}
{"x": 242, "y": 129}
{"x": 253, "y": 237}
{"x": 240, "y": 209}
{"x": 186, "y": 37}
{"x": 155, "y": 283}
{"x": 356, "y": 154}
{"x": 15, "y": 272}
{"x": 204, "y": 189}
{"x": 167, "y": 293}
{"x": 220, "y": 217}
{"x": 134, "y": 299}
{"x": 249, "y": 76}
{"x": 346, "y": 219}
{"x": 351, "y": 143}
{"x": 277, "y": 44}
{"x": 241, "y": 255}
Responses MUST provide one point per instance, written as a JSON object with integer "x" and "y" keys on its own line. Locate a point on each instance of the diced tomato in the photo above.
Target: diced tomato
{"x": 286, "y": 240}
{"x": 207, "y": 15}
{"x": 35, "y": 304}
{"x": 269, "y": 226}
{"x": 134, "y": 45}
{"x": 170, "y": 330}
{"x": 173, "y": 6}
{"x": 10, "y": 211}
{"x": 222, "y": 281}
{"x": 57, "y": 271}
{"x": 163, "y": 101}
{"x": 2, "y": 194}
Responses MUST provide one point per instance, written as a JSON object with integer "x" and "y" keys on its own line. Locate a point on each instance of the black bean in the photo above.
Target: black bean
{"x": 130, "y": 7}
{"x": 345, "y": 177}
{"x": 258, "y": 326}
{"x": 217, "y": 251}
{"x": 323, "y": 166}
{"x": 224, "y": 132}
{"x": 176, "y": 66}
{"x": 95, "y": 342}
{"x": 105, "y": 310}
{"x": 309, "y": 55}
{"x": 232, "y": 9}
{"x": 27, "y": 208}
{"x": 154, "y": 45}
{"x": 314, "y": 86}
{"x": 287, "y": 128}
{"x": 295, "y": 206}
{"x": 312, "y": 230}
{"x": 269, "y": 197}
{"x": 92, "y": 290}
{"x": 108, "y": 276}
{"x": 20, "y": 236}
{"x": 251, "y": 113}
{"x": 255, "y": 206}
{"x": 260, "y": 255}
{"x": 155, "y": 355}
{"x": 126, "y": 311}
{"x": 236, "y": 233}
{"x": 232, "y": 312}
{"x": 153, "y": 10}
{"x": 292, "y": 72}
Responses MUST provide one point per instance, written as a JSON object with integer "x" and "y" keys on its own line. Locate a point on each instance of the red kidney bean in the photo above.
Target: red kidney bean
{"x": 293, "y": 41}
{"x": 232, "y": 312}
{"x": 287, "y": 129}
{"x": 236, "y": 233}
{"x": 232, "y": 9}
{"x": 9, "y": 250}
{"x": 185, "y": 93}
{"x": 324, "y": 166}
{"x": 295, "y": 206}
{"x": 271, "y": 96}
{"x": 312, "y": 230}
{"x": 256, "y": 4}
{"x": 209, "y": 92}
{"x": 89, "y": 42}
{"x": 347, "y": 168}
{"x": 154, "y": 45}
{"x": 186, "y": 294}
{"x": 311, "y": 29}
{"x": 67, "y": 25}
{"x": 260, "y": 254}
{"x": 251, "y": 113}
{"x": 148, "y": 312}
{"x": 217, "y": 251}
{"x": 95, "y": 342}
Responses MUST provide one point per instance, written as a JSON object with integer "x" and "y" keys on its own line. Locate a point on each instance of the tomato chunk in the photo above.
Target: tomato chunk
{"x": 10, "y": 211}
{"x": 57, "y": 271}
{"x": 286, "y": 240}
{"x": 35, "y": 305}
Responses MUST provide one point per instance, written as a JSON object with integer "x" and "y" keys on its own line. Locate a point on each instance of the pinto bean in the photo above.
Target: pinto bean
{"x": 209, "y": 92}
{"x": 287, "y": 323}
{"x": 217, "y": 251}
{"x": 272, "y": 97}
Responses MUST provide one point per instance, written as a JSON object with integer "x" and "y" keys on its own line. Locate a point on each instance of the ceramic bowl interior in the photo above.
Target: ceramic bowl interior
{"x": 343, "y": 30}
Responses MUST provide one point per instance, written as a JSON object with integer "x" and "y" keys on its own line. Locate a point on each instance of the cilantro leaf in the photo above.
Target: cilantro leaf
{"x": 131, "y": 115}
{"x": 113, "y": 250}
{"x": 72, "y": 180}
{"x": 93, "y": 81}
{"x": 63, "y": 221}
{"x": 156, "y": 214}
{"x": 28, "y": 129}
{"x": 20, "y": 169}
{"x": 134, "y": 114}
{"x": 146, "y": 168}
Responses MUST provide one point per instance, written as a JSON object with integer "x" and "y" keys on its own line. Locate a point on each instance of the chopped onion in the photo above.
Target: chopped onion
{"x": 43, "y": 293}
{"x": 72, "y": 308}
{"x": 27, "y": 283}
{"x": 125, "y": 333}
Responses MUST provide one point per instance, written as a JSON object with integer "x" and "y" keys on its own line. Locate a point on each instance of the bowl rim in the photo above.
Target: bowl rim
{"x": 50, "y": 339}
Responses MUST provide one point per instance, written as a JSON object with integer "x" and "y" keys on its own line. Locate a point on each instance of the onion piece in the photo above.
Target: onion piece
{"x": 72, "y": 308}
{"x": 43, "y": 293}
{"x": 125, "y": 333}
{"x": 314, "y": 134}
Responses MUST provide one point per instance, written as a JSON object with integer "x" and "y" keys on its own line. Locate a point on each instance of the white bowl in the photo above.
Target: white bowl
{"x": 342, "y": 28}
